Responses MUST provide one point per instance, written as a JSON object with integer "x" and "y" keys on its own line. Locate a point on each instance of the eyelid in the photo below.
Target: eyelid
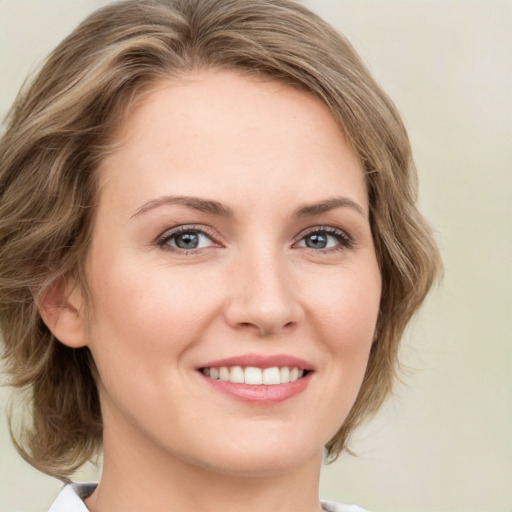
{"x": 345, "y": 239}
{"x": 206, "y": 230}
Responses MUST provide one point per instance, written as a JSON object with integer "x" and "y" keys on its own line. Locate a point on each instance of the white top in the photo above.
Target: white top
{"x": 70, "y": 499}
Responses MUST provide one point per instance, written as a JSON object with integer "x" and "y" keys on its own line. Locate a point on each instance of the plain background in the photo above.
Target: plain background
{"x": 444, "y": 442}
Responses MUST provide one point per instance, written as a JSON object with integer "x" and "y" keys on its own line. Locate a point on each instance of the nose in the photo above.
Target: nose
{"x": 263, "y": 295}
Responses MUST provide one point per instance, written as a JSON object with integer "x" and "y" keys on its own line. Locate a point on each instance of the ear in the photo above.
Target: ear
{"x": 60, "y": 308}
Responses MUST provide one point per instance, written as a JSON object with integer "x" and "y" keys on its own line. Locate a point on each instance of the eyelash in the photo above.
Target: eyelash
{"x": 165, "y": 238}
{"x": 345, "y": 240}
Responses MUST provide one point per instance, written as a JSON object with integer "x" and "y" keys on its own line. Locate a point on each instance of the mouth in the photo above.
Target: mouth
{"x": 258, "y": 379}
{"x": 254, "y": 376}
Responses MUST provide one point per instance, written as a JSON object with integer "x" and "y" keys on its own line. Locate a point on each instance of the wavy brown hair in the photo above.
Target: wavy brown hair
{"x": 60, "y": 128}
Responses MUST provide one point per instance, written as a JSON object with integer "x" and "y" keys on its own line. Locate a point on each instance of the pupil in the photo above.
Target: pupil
{"x": 187, "y": 241}
{"x": 316, "y": 241}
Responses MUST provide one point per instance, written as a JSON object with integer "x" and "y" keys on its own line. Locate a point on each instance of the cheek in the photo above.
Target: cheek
{"x": 344, "y": 312}
{"x": 347, "y": 307}
{"x": 146, "y": 316}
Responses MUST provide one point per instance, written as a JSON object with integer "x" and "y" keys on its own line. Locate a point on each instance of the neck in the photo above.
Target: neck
{"x": 138, "y": 476}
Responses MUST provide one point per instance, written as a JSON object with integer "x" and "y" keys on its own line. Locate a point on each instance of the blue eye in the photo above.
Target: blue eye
{"x": 186, "y": 239}
{"x": 325, "y": 238}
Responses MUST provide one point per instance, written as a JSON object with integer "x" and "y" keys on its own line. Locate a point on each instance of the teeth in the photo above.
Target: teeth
{"x": 255, "y": 376}
{"x": 237, "y": 375}
{"x": 224, "y": 373}
{"x": 284, "y": 374}
{"x": 271, "y": 376}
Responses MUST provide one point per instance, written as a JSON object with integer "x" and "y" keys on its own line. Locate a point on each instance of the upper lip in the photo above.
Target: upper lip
{"x": 260, "y": 361}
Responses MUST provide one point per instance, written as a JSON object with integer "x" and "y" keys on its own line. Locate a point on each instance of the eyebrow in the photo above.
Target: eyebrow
{"x": 216, "y": 208}
{"x": 194, "y": 203}
{"x": 328, "y": 205}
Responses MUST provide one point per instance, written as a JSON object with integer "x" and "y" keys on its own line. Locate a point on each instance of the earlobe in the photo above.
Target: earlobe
{"x": 59, "y": 307}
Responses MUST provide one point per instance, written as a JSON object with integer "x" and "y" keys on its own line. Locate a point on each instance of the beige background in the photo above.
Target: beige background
{"x": 444, "y": 443}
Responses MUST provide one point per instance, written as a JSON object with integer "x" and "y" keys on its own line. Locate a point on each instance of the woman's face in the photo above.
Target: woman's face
{"x": 231, "y": 247}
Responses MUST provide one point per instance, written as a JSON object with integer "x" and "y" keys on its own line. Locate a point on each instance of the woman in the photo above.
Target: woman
{"x": 209, "y": 251}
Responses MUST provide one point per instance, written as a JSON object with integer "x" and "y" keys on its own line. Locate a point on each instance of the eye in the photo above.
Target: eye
{"x": 325, "y": 239}
{"x": 185, "y": 239}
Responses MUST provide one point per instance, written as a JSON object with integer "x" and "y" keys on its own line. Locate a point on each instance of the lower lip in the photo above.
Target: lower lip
{"x": 260, "y": 394}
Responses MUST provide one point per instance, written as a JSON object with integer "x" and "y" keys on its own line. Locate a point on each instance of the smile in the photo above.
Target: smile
{"x": 259, "y": 379}
{"x": 255, "y": 376}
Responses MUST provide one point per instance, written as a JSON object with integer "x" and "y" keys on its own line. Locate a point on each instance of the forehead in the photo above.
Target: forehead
{"x": 223, "y": 133}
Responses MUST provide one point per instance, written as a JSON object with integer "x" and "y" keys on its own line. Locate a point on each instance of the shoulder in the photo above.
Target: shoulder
{"x": 330, "y": 506}
{"x": 70, "y": 498}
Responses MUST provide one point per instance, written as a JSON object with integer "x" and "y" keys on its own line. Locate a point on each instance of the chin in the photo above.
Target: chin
{"x": 270, "y": 459}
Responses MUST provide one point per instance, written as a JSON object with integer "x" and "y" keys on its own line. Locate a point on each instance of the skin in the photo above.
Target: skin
{"x": 253, "y": 286}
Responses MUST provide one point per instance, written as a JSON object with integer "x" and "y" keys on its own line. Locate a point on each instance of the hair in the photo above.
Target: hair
{"x": 60, "y": 127}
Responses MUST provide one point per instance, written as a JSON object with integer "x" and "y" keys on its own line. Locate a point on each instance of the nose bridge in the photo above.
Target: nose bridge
{"x": 263, "y": 295}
